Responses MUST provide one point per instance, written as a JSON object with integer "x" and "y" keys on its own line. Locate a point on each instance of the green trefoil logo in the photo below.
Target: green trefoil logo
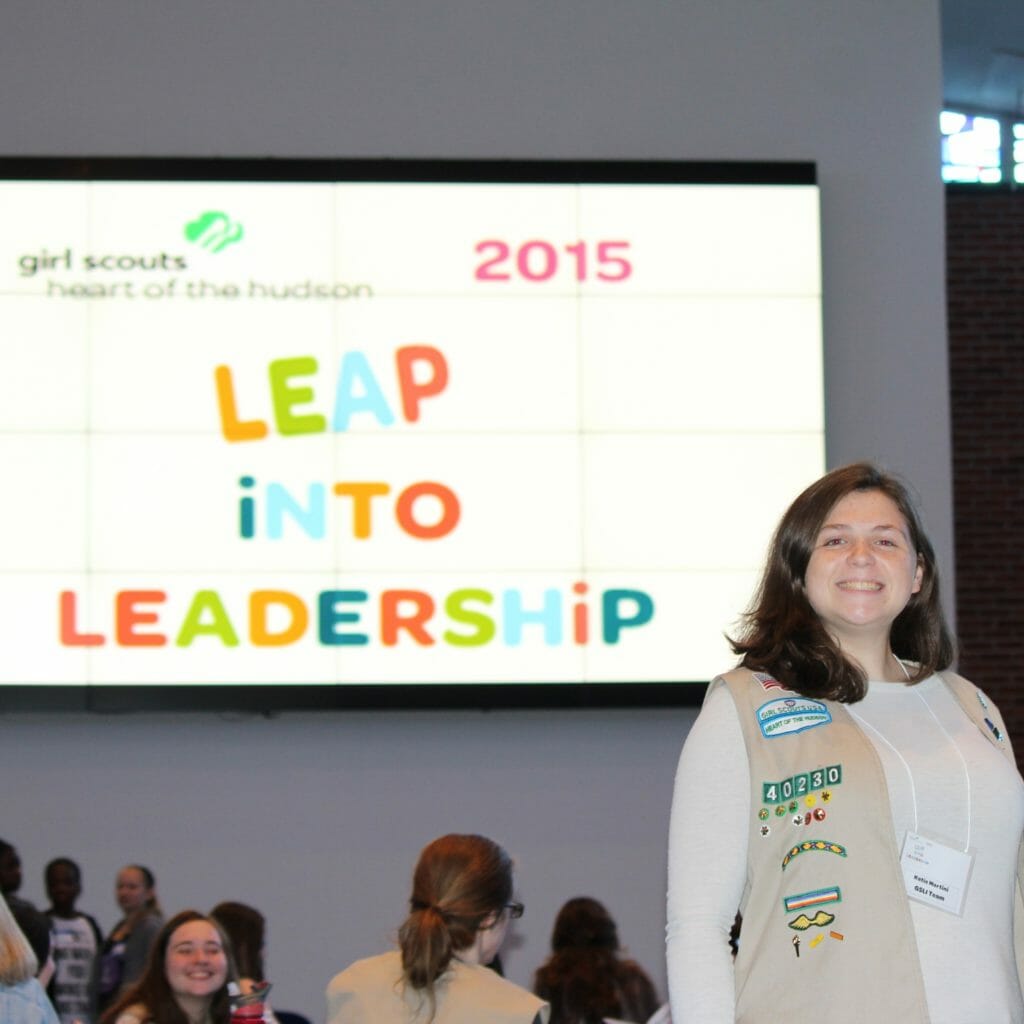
{"x": 213, "y": 230}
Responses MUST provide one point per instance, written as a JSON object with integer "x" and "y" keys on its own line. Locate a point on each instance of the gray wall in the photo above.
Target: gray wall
{"x": 316, "y": 819}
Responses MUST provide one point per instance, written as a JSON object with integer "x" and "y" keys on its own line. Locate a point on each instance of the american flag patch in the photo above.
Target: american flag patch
{"x": 767, "y": 681}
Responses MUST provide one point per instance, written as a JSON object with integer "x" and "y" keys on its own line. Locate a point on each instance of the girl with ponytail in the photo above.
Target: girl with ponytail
{"x": 459, "y": 911}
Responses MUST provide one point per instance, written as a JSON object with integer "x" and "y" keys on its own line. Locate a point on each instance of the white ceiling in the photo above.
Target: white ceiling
{"x": 983, "y": 54}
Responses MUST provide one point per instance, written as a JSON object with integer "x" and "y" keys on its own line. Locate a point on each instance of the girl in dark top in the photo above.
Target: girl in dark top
{"x": 126, "y": 949}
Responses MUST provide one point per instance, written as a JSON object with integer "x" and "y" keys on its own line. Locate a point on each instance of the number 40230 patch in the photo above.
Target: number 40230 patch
{"x": 798, "y": 785}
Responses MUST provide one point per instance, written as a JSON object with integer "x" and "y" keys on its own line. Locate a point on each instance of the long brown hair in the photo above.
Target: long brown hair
{"x": 459, "y": 880}
{"x": 584, "y": 979}
{"x": 782, "y": 635}
{"x": 245, "y": 927}
{"x": 152, "y": 990}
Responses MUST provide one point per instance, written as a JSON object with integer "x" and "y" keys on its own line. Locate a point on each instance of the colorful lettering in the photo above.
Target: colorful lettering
{"x": 69, "y": 634}
{"x": 207, "y": 616}
{"x": 233, "y": 428}
{"x": 285, "y": 397}
{"x": 421, "y": 373}
{"x": 548, "y": 616}
{"x": 128, "y": 616}
{"x": 392, "y": 619}
{"x": 358, "y": 391}
{"x": 615, "y": 620}
{"x": 413, "y": 391}
{"x": 275, "y": 617}
{"x": 260, "y": 604}
{"x": 332, "y": 616}
{"x": 456, "y": 610}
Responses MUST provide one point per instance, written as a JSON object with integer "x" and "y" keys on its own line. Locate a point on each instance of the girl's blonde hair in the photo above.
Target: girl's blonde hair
{"x": 17, "y": 961}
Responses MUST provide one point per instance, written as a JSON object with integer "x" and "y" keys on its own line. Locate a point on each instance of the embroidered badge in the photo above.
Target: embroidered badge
{"x": 814, "y": 898}
{"x": 982, "y": 699}
{"x": 813, "y": 846}
{"x": 817, "y": 939}
{"x": 837, "y": 935}
{"x": 802, "y": 784}
{"x": 995, "y": 729}
{"x": 767, "y": 681}
{"x": 763, "y": 814}
{"x": 820, "y": 920}
{"x": 796, "y": 946}
{"x": 765, "y": 831}
{"x": 819, "y": 813}
{"x": 788, "y": 715}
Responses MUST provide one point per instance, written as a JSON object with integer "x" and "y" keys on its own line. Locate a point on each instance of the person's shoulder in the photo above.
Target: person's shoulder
{"x": 737, "y": 676}
{"x": 741, "y": 678}
{"x": 149, "y": 924}
{"x": 968, "y": 692}
{"x": 978, "y": 704}
{"x": 25, "y": 1001}
{"x": 30, "y": 990}
{"x": 732, "y": 680}
{"x": 951, "y": 678}
{"x": 740, "y": 686}
{"x": 746, "y": 684}
{"x": 137, "y": 1014}
{"x": 357, "y": 993}
{"x": 369, "y": 969}
{"x": 502, "y": 991}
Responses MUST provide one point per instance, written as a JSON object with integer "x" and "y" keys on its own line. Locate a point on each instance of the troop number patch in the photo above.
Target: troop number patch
{"x": 799, "y": 785}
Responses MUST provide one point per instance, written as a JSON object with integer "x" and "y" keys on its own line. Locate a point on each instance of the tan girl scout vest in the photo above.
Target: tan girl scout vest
{"x": 827, "y": 933}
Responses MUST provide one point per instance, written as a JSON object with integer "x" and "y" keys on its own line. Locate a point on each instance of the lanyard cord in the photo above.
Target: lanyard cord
{"x": 910, "y": 774}
{"x": 963, "y": 762}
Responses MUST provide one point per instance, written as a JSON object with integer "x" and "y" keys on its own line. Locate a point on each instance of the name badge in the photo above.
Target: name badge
{"x": 934, "y": 873}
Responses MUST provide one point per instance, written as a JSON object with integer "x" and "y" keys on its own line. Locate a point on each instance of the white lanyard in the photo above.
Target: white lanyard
{"x": 910, "y": 774}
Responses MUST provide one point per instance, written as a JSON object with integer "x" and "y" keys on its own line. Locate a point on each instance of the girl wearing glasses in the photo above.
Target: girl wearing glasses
{"x": 459, "y": 912}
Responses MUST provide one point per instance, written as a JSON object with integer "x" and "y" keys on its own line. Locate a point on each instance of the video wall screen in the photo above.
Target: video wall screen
{"x": 383, "y": 430}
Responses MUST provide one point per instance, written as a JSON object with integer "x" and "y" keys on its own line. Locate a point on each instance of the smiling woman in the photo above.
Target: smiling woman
{"x": 852, "y": 544}
{"x": 861, "y": 575}
{"x": 858, "y": 785}
{"x": 186, "y": 978}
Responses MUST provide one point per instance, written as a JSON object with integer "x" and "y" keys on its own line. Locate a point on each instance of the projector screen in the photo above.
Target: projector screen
{"x": 377, "y": 433}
